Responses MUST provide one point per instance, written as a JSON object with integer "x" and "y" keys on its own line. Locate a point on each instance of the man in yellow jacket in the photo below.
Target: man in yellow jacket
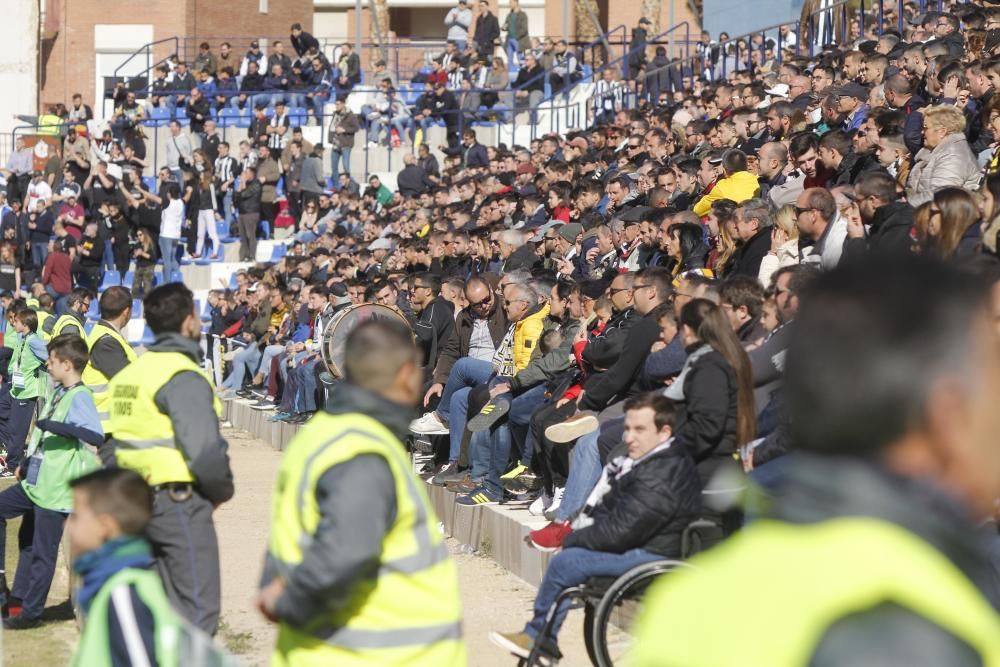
{"x": 738, "y": 184}
{"x": 871, "y": 552}
{"x": 357, "y": 571}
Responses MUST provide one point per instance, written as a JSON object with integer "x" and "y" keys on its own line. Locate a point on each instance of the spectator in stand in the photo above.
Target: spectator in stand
{"x": 320, "y": 86}
{"x": 349, "y": 66}
{"x": 302, "y": 41}
{"x": 529, "y": 86}
{"x": 340, "y": 136}
{"x": 516, "y": 26}
{"x": 205, "y": 61}
{"x": 486, "y": 34}
{"x": 458, "y": 21}
{"x": 251, "y": 88}
{"x": 945, "y": 160}
{"x": 248, "y": 201}
{"x": 278, "y": 57}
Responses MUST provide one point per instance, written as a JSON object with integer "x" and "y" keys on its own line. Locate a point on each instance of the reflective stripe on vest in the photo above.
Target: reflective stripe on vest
{"x": 143, "y": 435}
{"x": 65, "y": 321}
{"x": 416, "y": 579}
{"x": 94, "y": 378}
{"x": 803, "y": 579}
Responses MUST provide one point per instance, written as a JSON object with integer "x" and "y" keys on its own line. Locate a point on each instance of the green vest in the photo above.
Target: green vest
{"x": 768, "y": 596}
{"x": 62, "y": 459}
{"x": 95, "y": 379}
{"x": 65, "y": 321}
{"x": 410, "y": 614}
{"x": 28, "y": 376}
{"x": 177, "y": 643}
{"x": 144, "y": 436}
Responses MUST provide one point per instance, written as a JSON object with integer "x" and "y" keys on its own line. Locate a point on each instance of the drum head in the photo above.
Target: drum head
{"x": 343, "y": 323}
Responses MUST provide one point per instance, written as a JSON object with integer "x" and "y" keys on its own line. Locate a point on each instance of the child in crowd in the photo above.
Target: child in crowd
{"x": 63, "y": 447}
{"x": 128, "y": 619}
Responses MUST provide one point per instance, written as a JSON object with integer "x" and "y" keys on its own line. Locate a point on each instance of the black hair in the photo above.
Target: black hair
{"x": 167, "y": 306}
{"x": 871, "y": 341}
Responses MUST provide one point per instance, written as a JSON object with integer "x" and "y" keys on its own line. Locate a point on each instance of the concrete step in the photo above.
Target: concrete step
{"x": 494, "y": 531}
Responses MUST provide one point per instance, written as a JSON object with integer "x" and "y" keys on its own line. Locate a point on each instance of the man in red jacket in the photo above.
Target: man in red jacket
{"x": 57, "y": 274}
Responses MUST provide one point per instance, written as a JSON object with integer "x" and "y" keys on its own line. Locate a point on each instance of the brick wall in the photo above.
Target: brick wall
{"x": 70, "y": 63}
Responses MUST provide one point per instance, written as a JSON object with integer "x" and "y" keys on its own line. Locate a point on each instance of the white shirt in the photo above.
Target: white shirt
{"x": 172, "y": 219}
{"x": 36, "y": 192}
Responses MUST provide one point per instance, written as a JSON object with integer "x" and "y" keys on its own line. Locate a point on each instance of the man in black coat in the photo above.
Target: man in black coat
{"x": 753, "y": 226}
{"x": 889, "y": 220}
{"x": 302, "y": 41}
{"x": 435, "y": 316}
{"x": 473, "y": 153}
{"x": 487, "y": 30}
{"x": 412, "y": 180}
{"x": 648, "y": 493}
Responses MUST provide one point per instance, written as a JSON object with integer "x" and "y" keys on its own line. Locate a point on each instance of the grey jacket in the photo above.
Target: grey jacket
{"x": 187, "y": 400}
{"x": 312, "y": 180}
{"x": 950, "y": 164}
{"x": 357, "y": 506}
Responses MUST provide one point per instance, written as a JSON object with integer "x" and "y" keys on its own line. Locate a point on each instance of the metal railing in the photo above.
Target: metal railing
{"x": 147, "y": 51}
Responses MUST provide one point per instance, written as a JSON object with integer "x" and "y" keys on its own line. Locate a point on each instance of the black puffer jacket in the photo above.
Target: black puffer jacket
{"x": 649, "y": 507}
{"x": 705, "y": 422}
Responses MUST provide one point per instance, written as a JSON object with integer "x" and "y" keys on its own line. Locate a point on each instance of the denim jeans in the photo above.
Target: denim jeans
{"x": 342, "y": 155}
{"x": 572, "y": 567}
{"x": 296, "y": 100}
{"x": 465, "y": 374}
{"x": 227, "y": 209}
{"x": 584, "y": 472}
{"x": 246, "y": 359}
{"x": 168, "y": 252}
{"x": 491, "y": 449}
{"x": 270, "y": 352}
{"x": 48, "y": 530}
{"x": 318, "y": 104}
{"x": 39, "y": 252}
{"x": 306, "y": 400}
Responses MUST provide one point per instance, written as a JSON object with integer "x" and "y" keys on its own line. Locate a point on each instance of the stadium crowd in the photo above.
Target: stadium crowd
{"x": 603, "y": 315}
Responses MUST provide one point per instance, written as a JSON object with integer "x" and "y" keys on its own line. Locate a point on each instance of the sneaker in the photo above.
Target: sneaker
{"x": 550, "y": 537}
{"x": 557, "y": 496}
{"x": 515, "y": 471}
{"x": 226, "y": 394}
{"x": 541, "y": 504}
{"x": 429, "y": 424}
{"x": 479, "y": 496}
{"x": 467, "y": 485}
{"x": 572, "y": 428}
{"x": 450, "y": 474}
{"x": 263, "y": 404}
{"x": 279, "y": 417}
{"x": 19, "y": 622}
{"x": 6, "y": 473}
{"x": 491, "y": 413}
{"x": 518, "y": 643}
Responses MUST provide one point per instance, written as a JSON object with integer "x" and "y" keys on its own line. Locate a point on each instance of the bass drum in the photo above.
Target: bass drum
{"x": 341, "y": 326}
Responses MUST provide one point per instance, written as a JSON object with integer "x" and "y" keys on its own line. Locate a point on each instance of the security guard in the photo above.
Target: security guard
{"x": 357, "y": 572}
{"x": 46, "y": 319}
{"x": 870, "y": 554}
{"x": 78, "y": 303}
{"x": 164, "y": 425}
{"x": 109, "y": 351}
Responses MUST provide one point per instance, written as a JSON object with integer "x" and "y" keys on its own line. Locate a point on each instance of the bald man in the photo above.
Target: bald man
{"x": 800, "y": 92}
{"x": 775, "y": 184}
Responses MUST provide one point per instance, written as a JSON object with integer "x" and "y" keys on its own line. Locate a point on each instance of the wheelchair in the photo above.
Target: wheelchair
{"x": 611, "y": 604}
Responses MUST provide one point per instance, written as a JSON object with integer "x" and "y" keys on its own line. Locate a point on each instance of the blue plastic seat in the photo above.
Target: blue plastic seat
{"x": 278, "y": 251}
{"x": 229, "y": 117}
{"x": 136, "y": 308}
{"x": 244, "y": 120}
{"x": 297, "y": 116}
{"x": 129, "y": 280}
{"x": 94, "y": 312}
{"x": 88, "y": 326}
{"x": 265, "y": 227}
{"x": 158, "y": 117}
{"x": 111, "y": 279}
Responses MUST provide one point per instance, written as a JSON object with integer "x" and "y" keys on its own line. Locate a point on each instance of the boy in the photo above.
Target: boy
{"x": 27, "y": 382}
{"x": 58, "y": 453}
{"x": 128, "y": 619}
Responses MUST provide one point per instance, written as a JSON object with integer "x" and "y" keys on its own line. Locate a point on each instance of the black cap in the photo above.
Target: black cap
{"x": 852, "y": 89}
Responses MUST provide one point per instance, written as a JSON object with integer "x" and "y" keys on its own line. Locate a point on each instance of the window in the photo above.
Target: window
{"x": 263, "y": 6}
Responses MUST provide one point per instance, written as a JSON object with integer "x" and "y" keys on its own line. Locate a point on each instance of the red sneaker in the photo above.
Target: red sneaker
{"x": 550, "y": 537}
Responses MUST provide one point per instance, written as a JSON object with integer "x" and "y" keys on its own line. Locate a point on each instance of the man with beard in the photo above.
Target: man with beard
{"x": 434, "y": 316}
{"x": 775, "y": 185}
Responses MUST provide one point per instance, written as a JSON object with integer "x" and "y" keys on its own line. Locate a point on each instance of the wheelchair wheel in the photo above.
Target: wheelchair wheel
{"x": 609, "y": 624}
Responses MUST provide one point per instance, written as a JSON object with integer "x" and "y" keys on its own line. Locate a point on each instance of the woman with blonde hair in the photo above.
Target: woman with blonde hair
{"x": 946, "y": 160}
{"x": 784, "y": 244}
{"x": 950, "y": 226}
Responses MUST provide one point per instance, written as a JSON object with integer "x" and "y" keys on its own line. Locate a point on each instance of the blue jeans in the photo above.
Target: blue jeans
{"x": 317, "y": 103}
{"x": 39, "y": 251}
{"x": 584, "y": 472}
{"x": 306, "y": 400}
{"x": 247, "y": 357}
{"x": 297, "y": 100}
{"x": 168, "y": 252}
{"x": 572, "y": 567}
{"x": 42, "y": 550}
{"x": 465, "y": 374}
{"x": 227, "y": 209}
{"x": 109, "y": 256}
{"x": 513, "y": 51}
{"x": 270, "y": 352}
{"x": 491, "y": 449}
{"x": 342, "y": 155}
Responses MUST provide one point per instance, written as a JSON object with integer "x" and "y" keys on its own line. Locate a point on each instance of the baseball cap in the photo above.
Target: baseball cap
{"x": 540, "y": 232}
{"x": 571, "y": 231}
{"x": 526, "y": 168}
{"x": 851, "y": 89}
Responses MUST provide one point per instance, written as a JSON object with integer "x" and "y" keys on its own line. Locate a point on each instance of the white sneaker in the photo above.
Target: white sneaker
{"x": 541, "y": 504}
{"x": 429, "y": 424}
{"x": 557, "y": 496}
